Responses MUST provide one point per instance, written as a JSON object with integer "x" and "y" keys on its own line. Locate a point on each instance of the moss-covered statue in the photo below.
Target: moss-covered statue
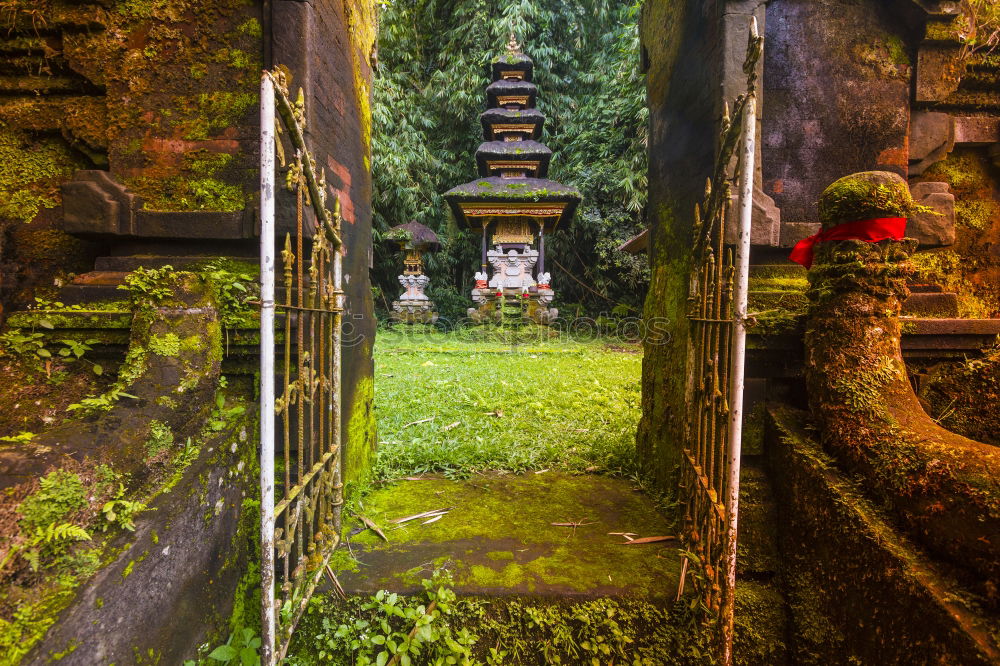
{"x": 944, "y": 489}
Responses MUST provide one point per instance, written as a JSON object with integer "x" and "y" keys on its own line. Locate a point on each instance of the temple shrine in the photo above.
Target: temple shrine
{"x": 413, "y": 306}
{"x": 513, "y": 205}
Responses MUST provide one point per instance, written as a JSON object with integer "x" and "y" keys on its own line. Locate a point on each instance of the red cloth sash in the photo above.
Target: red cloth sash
{"x": 873, "y": 231}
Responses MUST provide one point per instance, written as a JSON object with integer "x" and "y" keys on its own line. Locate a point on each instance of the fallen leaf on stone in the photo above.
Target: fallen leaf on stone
{"x": 652, "y": 539}
{"x": 431, "y": 520}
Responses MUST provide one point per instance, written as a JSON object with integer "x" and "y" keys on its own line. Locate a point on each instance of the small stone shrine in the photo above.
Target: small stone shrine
{"x": 413, "y": 306}
{"x": 513, "y": 205}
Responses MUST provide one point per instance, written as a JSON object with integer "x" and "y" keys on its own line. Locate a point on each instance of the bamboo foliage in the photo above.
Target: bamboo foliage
{"x": 427, "y": 97}
{"x": 309, "y": 488}
{"x": 711, "y": 316}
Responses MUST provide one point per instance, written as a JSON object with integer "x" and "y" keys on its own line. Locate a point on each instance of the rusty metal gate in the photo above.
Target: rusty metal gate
{"x": 717, "y": 314}
{"x": 301, "y": 529}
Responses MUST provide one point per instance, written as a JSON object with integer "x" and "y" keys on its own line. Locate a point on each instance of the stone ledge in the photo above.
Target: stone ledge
{"x": 855, "y": 583}
{"x": 95, "y": 205}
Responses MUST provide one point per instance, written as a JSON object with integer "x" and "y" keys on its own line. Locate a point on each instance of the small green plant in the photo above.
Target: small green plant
{"x": 100, "y": 403}
{"x": 20, "y": 438}
{"x": 149, "y": 284}
{"x": 77, "y": 349}
{"x": 222, "y": 415}
{"x": 187, "y": 454}
{"x": 405, "y": 630}
{"x": 60, "y": 494}
{"x": 233, "y": 289}
{"x": 160, "y": 438}
{"x": 24, "y": 345}
{"x": 121, "y": 512}
{"x": 45, "y": 541}
{"x": 243, "y": 648}
{"x": 31, "y": 346}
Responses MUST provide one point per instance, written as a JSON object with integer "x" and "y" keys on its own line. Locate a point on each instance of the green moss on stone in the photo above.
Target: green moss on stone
{"x": 866, "y": 195}
{"x": 505, "y": 523}
{"x": 759, "y": 625}
{"x": 30, "y": 172}
{"x": 360, "y": 431}
{"x": 167, "y": 344}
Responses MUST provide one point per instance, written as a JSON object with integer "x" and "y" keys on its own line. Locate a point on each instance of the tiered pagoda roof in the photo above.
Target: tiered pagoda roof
{"x": 512, "y": 163}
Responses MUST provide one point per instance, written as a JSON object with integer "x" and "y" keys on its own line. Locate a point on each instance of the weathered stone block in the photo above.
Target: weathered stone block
{"x": 976, "y": 130}
{"x": 939, "y": 71}
{"x": 765, "y": 222}
{"x": 793, "y": 232}
{"x": 95, "y": 203}
{"x": 932, "y": 137}
{"x": 936, "y": 228}
{"x": 942, "y": 305}
{"x": 829, "y": 533}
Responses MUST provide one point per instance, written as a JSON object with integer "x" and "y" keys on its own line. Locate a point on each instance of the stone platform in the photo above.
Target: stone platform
{"x": 498, "y": 539}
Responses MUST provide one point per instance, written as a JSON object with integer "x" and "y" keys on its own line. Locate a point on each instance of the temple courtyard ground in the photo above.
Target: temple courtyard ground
{"x": 506, "y": 506}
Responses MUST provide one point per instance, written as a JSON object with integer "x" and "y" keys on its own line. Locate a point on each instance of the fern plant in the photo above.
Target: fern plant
{"x": 45, "y": 541}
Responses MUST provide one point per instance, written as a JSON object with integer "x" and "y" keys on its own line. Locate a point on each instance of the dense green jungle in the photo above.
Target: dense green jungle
{"x": 433, "y": 58}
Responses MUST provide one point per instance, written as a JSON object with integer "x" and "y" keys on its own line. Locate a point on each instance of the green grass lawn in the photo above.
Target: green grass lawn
{"x": 446, "y": 403}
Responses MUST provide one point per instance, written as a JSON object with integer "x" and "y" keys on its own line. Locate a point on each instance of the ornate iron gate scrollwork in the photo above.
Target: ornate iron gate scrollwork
{"x": 299, "y": 531}
{"x": 709, "y": 486}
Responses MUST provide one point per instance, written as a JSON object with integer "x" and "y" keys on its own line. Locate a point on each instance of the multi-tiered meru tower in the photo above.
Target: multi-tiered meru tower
{"x": 513, "y": 205}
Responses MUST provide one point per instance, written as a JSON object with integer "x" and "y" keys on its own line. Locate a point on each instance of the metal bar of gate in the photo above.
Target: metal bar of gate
{"x": 268, "y": 618}
{"x": 738, "y": 357}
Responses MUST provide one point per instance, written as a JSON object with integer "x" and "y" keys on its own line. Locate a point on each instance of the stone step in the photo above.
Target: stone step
{"x": 499, "y": 540}
{"x": 111, "y": 330}
{"x": 134, "y": 262}
{"x": 782, "y": 270}
{"x": 94, "y": 287}
{"x": 925, "y": 340}
{"x": 931, "y": 304}
{"x": 777, "y": 299}
{"x": 757, "y": 542}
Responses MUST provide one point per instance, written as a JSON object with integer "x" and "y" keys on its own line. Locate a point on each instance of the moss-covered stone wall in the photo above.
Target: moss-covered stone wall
{"x": 163, "y": 93}
{"x": 681, "y": 52}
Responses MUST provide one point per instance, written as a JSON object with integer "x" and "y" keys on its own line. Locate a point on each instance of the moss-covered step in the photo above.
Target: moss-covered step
{"x": 498, "y": 538}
